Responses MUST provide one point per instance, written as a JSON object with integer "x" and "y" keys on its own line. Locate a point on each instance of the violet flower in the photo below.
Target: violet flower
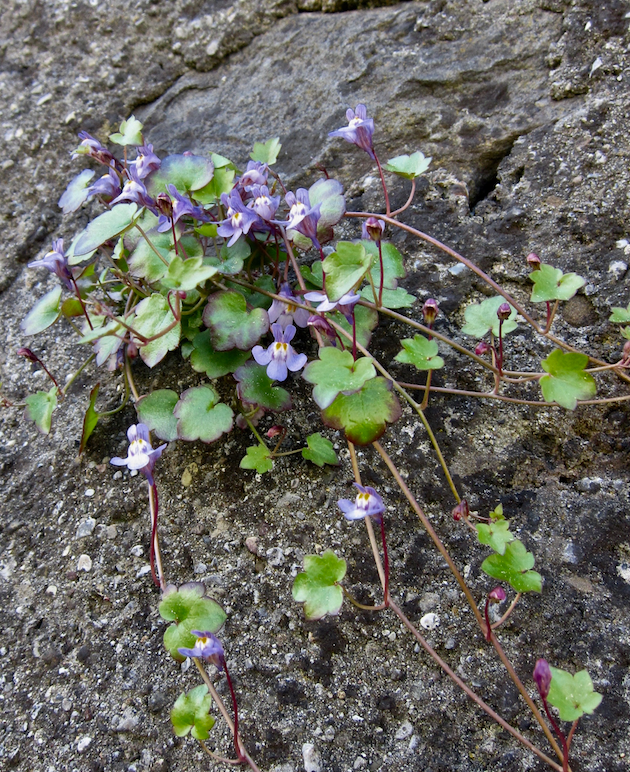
{"x": 208, "y": 647}
{"x": 303, "y": 217}
{"x": 239, "y": 218}
{"x": 255, "y": 174}
{"x": 56, "y": 262}
{"x": 182, "y": 207}
{"x": 345, "y": 304}
{"x": 134, "y": 191}
{"x": 372, "y": 229}
{"x": 367, "y": 504}
{"x": 359, "y": 130}
{"x": 263, "y": 204}
{"x": 107, "y": 186}
{"x": 280, "y": 356}
{"x": 92, "y": 147}
{"x": 146, "y": 162}
{"x": 140, "y": 454}
{"x": 286, "y": 313}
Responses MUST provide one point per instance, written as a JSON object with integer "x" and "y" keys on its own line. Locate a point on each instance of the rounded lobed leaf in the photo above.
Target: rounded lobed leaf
{"x": 317, "y": 587}
{"x": 105, "y": 227}
{"x": 255, "y": 387}
{"x": 199, "y": 417}
{"x": 191, "y": 712}
{"x": 231, "y": 325}
{"x": 186, "y": 172}
{"x": 482, "y": 317}
{"x": 420, "y": 352}
{"x": 567, "y": 382}
{"x": 345, "y": 268}
{"x": 320, "y": 450}
{"x": 204, "y": 359}
{"x": 156, "y": 411}
{"x": 364, "y": 415}
{"x": 43, "y": 314}
{"x": 336, "y": 371}
{"x": 572, "y": 695}
{"x": 514, "y": 567}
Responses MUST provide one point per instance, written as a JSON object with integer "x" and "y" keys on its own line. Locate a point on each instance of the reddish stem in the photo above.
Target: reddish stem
{"x": 380, "y": 289}
{"x": 385, "y": 564}
{"x": 237, "y": 745}
{"x": 561, "y": 737}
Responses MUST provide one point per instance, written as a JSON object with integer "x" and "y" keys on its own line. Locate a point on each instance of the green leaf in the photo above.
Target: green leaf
{"x": 366, "y": 320}
{"x": 231, "y": 325}
{"x": 420, "y": 352}
{"x": 393, "y": 265}
{"x": 364, "y": 415}
{"x": 71, "y": 307}
{"x": 76, "y": 192}
{"x": 312, "y": 275}
{"x": 130, "y": 132}
{"x": 222, "y": 182}
{"x": 90, "y": 419}
{"x": 317, "y": 587}
{"x": 514, "y": 567}
{"x": 258, "y": 458}
{"x": 153, "y": 315}
{"x": 266, "y": 153}
{"x": 191, "y": 712}
{"x": 231, "y": 259}
{"x": 567, "y": 382}
{"x": 496, "y": 534}
{"x": 186, "y": 172}
{"x": 255, "y": 387}
{"x": 105, "y": 227}
{"x": 199, "y": 417}
{"x": 187, "y": 274}
{"x": 398, "y": 298}
{"x": 43, "y": 314}
{"x": 156, "y": 411}
{"x": 572, "y": 695}
{"x": 408, "y": 166}
{"x": 320, "y": 450}
{"x": 345, "y": 268}
{"x": 551, "y": 284}
{"x": 204, "y": 359}
{"x": 620, "y": 315}
{"x": 189, "y": 609}
{"x": 144, "y": 263}
{"x": 39, "y": 408}
{"x": 482, "y": 317}
{"x": 336, "y": 371}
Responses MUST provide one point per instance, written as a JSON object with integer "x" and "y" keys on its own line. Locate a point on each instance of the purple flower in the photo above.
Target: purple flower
{"x": 239, "y": 218}
{"x": 255, "y": 174}
{"x": 542, "y": 677}
{"x": 303, "y": 217}
{"x": 146, "y": 162}
{"x": 182, "y": 206}
{"x": 359, "y": 130}
{"x": 345, "y": 304}
{"x": 263, "y": 204}
{"x": 372, "y": 229}
{"x": 56, "y": 262}
{"x": 286, "y": 313}
{"x": 206, "y": 647}
{"x": 367, "y": 504}
{"x": 107, "y": 186}
{"x": 93, "y": 148}
{"x": 280, "y": 356}
{"x": 140, "y": 454}
{"x": 135, "y": 191}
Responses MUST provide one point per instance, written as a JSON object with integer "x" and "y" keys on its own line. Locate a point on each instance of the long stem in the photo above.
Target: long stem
{"x": 430, "y": 530}
{"x": 367, "y": 521}
{"x": 155, "y": 556}
{"x": 380, "y": 171}
{"x": 82, "y": 304}
{"x": 237, "y": 745}
{"x": 64, "y": 391}
{"x": 380, "y": 286}
{"x": 223, "y": 710}
{"x": 408, "y": 201}
{"x": 129, "y": 377}
{"x": 465, "y": 688}
{"x": 558, "y": 731}
{"x": 148, "y": 240}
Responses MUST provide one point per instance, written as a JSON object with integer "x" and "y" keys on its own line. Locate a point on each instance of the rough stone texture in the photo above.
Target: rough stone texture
{"x": 523, "y": 107}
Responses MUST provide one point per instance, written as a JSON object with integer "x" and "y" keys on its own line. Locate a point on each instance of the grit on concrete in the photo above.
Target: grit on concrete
{"x": 524, "y": 108}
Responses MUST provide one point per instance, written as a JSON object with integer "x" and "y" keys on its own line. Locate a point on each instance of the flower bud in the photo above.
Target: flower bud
{"x": 625, "y": 360}
{"x": 430, "y": 311}
{"x": 482, "y": 348}
{"x": 274, "y": 431}
{"x": 164, "y": 204}
{"x": 26, "y": 352}
{"x": 542, "y": 677}
{"x": 461, "y": 510}
{"x": 373, "y": 229}
{"x": 504, "y": 311}
{"x": 533, "y": 261}
{"x": 497, "y": 595}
